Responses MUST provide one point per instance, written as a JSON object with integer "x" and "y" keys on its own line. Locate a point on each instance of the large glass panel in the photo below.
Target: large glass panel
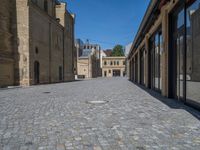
{"x": 152, "y": 44}
{"x": 156, "y": 77}
{"x": 179, "y": 53}
{"x": 156, "y": 67}
{"x": 136, "y": 68}
{"x": 160, "y": 56}
{"x": 142, "y": 66}
{"x": 193, "y": 52}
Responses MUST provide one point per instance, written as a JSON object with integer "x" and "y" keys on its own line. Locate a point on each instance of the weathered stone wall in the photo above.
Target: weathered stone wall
{"x": 6, "y": 51}
{"x": 88, "y": 66}
{"x": 29, "y": 34}
{"x": 50, "y": 6}
{"x": 69, "y": 47}
{"x": 83, "y": 67}
{"x": 47, "y": 38}
{"x": 23, "y": 59}
{"x": 60, "y": 13}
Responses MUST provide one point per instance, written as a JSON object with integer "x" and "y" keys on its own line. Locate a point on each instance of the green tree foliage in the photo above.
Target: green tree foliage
{"x": 118, "y": 51}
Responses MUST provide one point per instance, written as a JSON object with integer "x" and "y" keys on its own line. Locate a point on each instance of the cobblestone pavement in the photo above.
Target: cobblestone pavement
{"x": 57, "y": 116}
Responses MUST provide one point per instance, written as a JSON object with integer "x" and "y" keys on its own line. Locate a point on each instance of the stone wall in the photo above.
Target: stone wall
{"x": 28, "y": 34}
{"x": 83, "y": 67}
{"x": 47, "y": 40}
{"x": 69, "y": 47}
{"x": 22, "y": 35}
{"x": 6, "y": 51}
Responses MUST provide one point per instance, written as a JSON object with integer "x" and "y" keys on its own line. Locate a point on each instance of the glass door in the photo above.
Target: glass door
{"x": 178, "y": 49}
{"x": 193, "y": 53}
{"x": 142, "y": 55}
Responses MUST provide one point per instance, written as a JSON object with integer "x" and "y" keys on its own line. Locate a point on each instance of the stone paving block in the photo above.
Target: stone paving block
{"x": 63, "y": 119}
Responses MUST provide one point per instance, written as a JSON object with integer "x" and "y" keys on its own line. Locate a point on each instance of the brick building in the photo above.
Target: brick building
{"x": 165, "y": 53}
{"x": 38, "y": 42}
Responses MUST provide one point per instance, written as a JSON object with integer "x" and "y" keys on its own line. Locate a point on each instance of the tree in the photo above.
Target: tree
{"x": 118, "y": 51}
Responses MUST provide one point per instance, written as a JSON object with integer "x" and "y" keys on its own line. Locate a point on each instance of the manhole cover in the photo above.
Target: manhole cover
{"x": 46, "y": 92}
{"x": 97, "y": 102}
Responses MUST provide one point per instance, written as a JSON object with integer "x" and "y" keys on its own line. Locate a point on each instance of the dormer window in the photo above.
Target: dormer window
{"x": 45, "y": 6}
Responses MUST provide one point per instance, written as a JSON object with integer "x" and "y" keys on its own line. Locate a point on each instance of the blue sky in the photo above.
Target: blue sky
{"x": 107, "y": 22}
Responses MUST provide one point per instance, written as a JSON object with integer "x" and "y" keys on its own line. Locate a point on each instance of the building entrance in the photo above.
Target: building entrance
{"x": 116, "y": 73}
{"x": 36, "y": 72}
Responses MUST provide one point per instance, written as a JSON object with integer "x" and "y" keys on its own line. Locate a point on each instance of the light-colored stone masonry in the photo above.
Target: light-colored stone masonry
{"x": 29, "y": 34}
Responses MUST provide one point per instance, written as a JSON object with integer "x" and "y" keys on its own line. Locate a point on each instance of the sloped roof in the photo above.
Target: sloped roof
{"x": 108, "y": 52}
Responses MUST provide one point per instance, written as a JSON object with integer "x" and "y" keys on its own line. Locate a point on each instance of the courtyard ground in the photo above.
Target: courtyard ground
{"x": 60, "y": 116}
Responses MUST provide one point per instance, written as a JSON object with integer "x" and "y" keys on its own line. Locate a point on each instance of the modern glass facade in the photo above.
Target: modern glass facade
{"x": 155, "y": 59}
{"x": 142, "y": 66}
{"x": 186, "y": 48}
{"x": 193, "y": 52}
{"x": 165, "y": 55}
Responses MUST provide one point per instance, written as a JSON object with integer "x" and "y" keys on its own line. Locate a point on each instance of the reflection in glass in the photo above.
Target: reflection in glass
{"x": 179, "y": 41}
{"x": 193, "y": 52}
{"x": 142, "y": 67}
{"x": 156, "y": 66}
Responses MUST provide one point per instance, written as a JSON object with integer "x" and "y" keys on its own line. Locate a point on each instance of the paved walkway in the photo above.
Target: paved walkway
{"x": 58, "y": 116}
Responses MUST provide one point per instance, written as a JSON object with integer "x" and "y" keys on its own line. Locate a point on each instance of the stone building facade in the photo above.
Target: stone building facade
{"x": 7, "y": 59}
{"x": 113, "y": 66}
{"x": 165, "y": 53}
{"x": 88, "y": 59}
{"x": 88, "y": 67}
{"x": 42, "y": 43}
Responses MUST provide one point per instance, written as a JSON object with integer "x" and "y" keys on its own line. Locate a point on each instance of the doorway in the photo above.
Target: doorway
{"x": 116, "y": 73}
{"x": 60, "y": 73}
{"x": 36, "y": 72}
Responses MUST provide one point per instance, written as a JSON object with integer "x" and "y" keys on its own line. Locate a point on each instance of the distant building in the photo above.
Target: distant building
{"x": 79, "y": 47}
{"x": 88, "y": 67}
{"x": 88, "y": 63}
{"x": 113, "y": 67}
{"x": 108, "y": 52}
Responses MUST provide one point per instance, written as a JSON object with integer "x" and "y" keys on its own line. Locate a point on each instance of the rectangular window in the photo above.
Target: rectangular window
{"x": 155, "y": 59}
{"x": 193, "y": 52}
{"x": 185, "y": 53}
{"x": 105, "y": 73}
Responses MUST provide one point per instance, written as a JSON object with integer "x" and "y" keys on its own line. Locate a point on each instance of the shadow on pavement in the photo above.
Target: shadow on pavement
{"x": 172, "y": 103}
